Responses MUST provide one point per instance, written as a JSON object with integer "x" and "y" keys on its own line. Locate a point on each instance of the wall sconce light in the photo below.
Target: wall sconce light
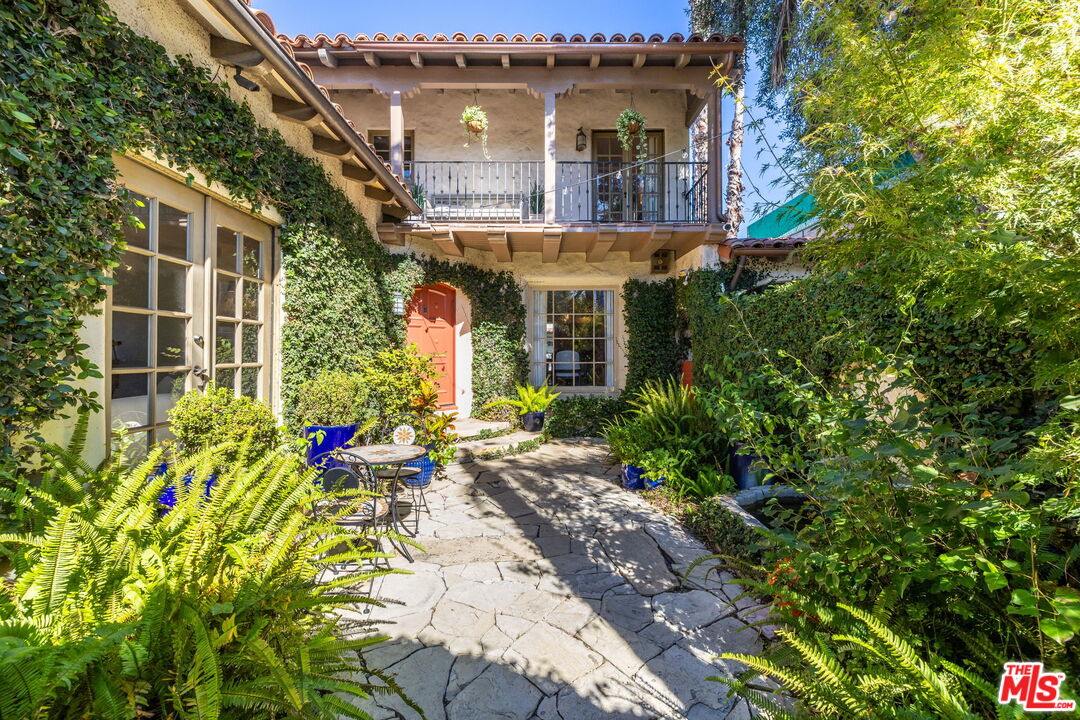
{"x": 399, "y": 304}
{"x": 246, "y": 83}
{"x": 581, "y": 140}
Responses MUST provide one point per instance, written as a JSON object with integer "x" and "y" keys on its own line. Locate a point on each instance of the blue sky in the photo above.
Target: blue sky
{"x": 511, "y": 16}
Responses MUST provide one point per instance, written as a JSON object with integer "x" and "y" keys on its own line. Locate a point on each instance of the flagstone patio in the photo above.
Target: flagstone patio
{"x": 546, "y": 591}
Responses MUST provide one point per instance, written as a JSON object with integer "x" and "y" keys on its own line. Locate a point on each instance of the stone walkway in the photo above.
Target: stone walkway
{"x": 547, "y": 592}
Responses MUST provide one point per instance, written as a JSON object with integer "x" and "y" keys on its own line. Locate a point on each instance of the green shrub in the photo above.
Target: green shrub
{"x": 203, "y": 419}
{"x": 334, "y": 398}
{"x": 394, "y": 379}
{"x": 724, "y": 531}
{"x": 582, "y": 415}
{"x": 654, "y": 346}
{"x": 214, "y": 609}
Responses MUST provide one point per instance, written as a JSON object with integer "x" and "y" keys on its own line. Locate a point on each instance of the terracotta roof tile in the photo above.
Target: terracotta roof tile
{"x": 340, "y": 40}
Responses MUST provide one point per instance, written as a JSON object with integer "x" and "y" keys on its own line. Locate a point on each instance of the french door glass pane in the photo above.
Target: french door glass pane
{"x": 130, "y": 400}
{"x": 138, "y": 235}
{"x": 173, "y": 231}
{"x": 252, "y": 257}
{"x": 170, "y": 387}
{"x": 226, "y": 250}
{"x": 251, "y": 299}
{"x": 226, "y": 296}
{"x": 249, "y": 382}
{"x": 172, "y": 341}
{"x": 172, "y": 286}
{"x": 130, "y": 340}
{"x": 132, "y": 277}
{"x": 225, "y": 346}
{"x": 249, "y": 347}
{"x": 226, "y": 378}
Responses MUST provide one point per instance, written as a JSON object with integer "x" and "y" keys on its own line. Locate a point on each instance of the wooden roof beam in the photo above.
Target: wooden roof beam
{"x": 334, "y": 148}
{"x": 377, "y": 193}
{"x": 372, "y": 59}
{"x": 594, "y": 62}
{"x": 605, "y": 238}
{"x": 506, "y": 61}
{"x": 293, "y": 110}
{"x": 230, "y": 52}
{"x": 357, "y": 173}
{"x": 682, "y": 61}
{"x": 656, "y": 240}
{"x": 449, "y": 242}
{"x": 499, "y": 242}
{"x": 459, "y": 58}
{"x": 416, "y": 60}
{"x": 550, "y": 61}
{"x": 552, "y": 244}
{"x": 395, "y": 211}
{"x": 639, "y": 61}
{"x": 327, "y": 59}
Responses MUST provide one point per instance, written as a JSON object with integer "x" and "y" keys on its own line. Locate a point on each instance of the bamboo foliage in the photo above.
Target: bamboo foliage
{"x": 215, "y": 609}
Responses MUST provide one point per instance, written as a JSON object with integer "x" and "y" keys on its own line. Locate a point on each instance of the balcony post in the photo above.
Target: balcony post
{"x": 397, "y": 134}
{"x": 549, "y": 158}
{"x": 715, "y": 200}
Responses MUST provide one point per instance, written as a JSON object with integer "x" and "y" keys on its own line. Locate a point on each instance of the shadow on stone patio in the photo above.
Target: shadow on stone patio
{"x": 545, "y": 591}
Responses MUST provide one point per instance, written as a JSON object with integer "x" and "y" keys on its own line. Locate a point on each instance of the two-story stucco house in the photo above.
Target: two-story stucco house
{"x": 554, "y": 196}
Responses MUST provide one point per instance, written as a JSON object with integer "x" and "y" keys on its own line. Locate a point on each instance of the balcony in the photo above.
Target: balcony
{"x": 512, "y": 192}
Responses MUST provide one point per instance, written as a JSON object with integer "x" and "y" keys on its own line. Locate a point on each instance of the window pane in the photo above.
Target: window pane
{"x": 252, "y": 257}
{"x": 251, "y": 299}
{"x": 226, "y": 296}
{"x": 600, "y": 326}
{"x": 583, "y": 301}
{"x": 173, "y": 231}
{"x": 226, "y": 250}
{"x": 130, "y": 400}
{"x": 226, "y": 378}
{"x": 131, "y": 340}
{"x": 138, "y": 235}
{"x": 249, "y": 382}
{"x": 584, "y": 350}
{"x": 249, "y": 348}
{"x": 172, "y": 341}
{"x": 562, "y": 325}
{"x": 170, "y": 388}
{"x": 172, "y": 286}
{"x": 225, "y": 345}
{"x": 132, "y": 286}
{"x": 601, "y": 351}
{"x": 562, "y": 301}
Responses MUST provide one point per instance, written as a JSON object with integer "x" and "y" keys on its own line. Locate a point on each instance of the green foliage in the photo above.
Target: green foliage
{"x": 636, "y": 141}
{"x": 848, "y": 662}
{"x": 500, "y": 360}
{"x": 334, "y": 398}
{"x": 530, "y": 399}
{"x": 394, "y": 378}
{"x": 672, "y": 435}
{"x": 475, "y": 122}
{"x": 211, "y": 417}
{"x": 214, "y": 609}
{"x": 721, "y": 529}
{"x": 68, "y": 101}
{"x": 654, "y": 347}
{"x": 582, "y": 415}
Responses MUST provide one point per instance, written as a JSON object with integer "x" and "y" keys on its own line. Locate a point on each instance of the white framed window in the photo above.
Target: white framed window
{"x": 573, "y": 339}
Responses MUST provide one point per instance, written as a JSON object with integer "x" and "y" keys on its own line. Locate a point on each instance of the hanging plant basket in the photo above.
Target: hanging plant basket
{"x": 632, "y": 136}
{"x": 475, "y": 122}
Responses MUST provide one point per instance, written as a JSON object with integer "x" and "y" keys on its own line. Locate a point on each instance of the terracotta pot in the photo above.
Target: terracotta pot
{"x": 475, "y": 126}
{"x": 633, "y": 126}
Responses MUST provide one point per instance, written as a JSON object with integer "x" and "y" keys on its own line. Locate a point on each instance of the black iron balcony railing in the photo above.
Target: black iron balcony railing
{"x": 513, "y": 192}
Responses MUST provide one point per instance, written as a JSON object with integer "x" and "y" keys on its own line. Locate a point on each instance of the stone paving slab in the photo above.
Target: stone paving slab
{"x": 546, "y": 592}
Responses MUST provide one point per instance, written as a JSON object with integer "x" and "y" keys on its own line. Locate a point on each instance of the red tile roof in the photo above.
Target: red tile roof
{"x": 342, "y": 40}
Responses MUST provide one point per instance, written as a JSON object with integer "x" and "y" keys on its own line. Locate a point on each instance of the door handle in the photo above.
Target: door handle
{"x": 201, "y": 373}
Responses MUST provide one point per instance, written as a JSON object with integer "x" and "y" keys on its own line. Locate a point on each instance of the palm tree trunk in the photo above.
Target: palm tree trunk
{"x": 734, "y": 200}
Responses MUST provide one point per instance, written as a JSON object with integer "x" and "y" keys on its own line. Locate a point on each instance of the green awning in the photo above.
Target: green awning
{"x": 784, "y": 219}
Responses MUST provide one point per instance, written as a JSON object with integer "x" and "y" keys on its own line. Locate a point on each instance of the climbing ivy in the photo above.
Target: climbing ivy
{"x": 500, "y": 359}
{"x": 77, "y": 86}
{"x": 654, "y": 345}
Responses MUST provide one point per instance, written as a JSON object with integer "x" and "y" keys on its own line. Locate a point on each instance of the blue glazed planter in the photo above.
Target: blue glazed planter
{"x": 427, "y": 471}
{"x": 745, "y": 476}
{"x": 334, "y": 437}
{"x": 168, "y": 495}
{"x": 633, "y": 477}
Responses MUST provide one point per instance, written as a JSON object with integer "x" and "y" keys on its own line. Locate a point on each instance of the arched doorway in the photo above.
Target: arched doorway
{"x": 431, "y": 320}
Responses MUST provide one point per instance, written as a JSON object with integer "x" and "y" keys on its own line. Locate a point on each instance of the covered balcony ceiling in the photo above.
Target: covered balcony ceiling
{"x": 560, "y": 64}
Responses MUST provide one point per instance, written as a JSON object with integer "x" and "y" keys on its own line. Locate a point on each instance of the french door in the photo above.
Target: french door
{"x": 625, "y": 189}
{"x": 193, "y": 269}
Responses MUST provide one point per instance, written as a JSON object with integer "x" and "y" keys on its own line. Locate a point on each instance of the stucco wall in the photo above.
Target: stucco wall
{"x": 516, "y": 120}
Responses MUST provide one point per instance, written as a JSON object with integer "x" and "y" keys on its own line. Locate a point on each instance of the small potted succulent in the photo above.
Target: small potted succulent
{"x": 531, "y": 405}
{"x": 475, "y": 122}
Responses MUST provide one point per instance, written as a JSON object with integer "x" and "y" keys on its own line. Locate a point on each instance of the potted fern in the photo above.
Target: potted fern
{"x": 531, "y": 405}
{"x": 475, "y": 122}
{"x": 631, "y": 131}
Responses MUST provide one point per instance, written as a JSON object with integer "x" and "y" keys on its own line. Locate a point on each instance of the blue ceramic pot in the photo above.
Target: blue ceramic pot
{"x": 633, "y": 477}
{"x": 334, "y": 437}
{"x": 427, "y": 471}
{"x": 745, "y": 476}
{"x": 533, "y": 421}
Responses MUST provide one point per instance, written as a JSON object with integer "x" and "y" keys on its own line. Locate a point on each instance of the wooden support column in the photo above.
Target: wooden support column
{"x": 715, "y": 185}
{"x": 552, "y": 244}
{"x": 549, "y": 158}
{"x": 397, "y": 134}
{"x": 448, "y": 242}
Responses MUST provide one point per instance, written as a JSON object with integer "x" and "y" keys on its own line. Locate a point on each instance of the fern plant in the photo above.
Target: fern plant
{"x": 228, "y": 606}
{"x": 529, "y": 399}
{"x": 846, "y": 662}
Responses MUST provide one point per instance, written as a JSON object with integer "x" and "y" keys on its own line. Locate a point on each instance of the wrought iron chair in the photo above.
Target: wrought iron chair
{"x": 355, "y": 474}
{"x": 406, "y": 429}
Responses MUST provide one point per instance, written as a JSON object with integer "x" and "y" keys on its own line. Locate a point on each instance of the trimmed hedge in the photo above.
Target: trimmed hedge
{"x": 582, "y": 415}
{"x": 654, "y": 346}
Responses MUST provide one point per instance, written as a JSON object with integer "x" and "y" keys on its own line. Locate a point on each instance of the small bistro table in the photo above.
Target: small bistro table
{"x": 386, "y": 455}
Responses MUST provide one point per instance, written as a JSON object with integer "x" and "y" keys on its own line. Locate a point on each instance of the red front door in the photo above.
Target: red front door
{"x": 431, "y": 319}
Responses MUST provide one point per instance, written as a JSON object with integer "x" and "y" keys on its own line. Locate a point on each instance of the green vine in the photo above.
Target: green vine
{"x": 654, "y": 345}
{"x": 634, "y": 141}
{"x": 77, "y": 86}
